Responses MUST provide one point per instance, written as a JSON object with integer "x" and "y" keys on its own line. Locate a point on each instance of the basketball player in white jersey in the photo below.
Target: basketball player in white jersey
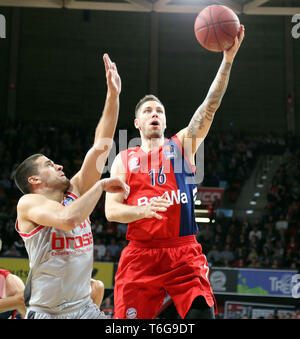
{"x": 53, "y": 220}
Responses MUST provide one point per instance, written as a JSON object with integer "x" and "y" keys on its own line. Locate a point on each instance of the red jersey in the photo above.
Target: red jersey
{"x": 150, "y": 175}
{"x": 3, "y": 276}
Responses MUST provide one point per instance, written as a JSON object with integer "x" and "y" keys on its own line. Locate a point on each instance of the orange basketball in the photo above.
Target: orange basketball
{"x": 216, "y": 28}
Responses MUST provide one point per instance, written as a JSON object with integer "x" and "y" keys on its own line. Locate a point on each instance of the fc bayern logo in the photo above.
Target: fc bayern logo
{"x": 131, "y": 313}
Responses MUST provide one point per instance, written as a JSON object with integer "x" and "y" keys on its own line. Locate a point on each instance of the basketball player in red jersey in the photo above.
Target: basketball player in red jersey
{"x": 163, "y": 256}
{"x": 53, "y": 220}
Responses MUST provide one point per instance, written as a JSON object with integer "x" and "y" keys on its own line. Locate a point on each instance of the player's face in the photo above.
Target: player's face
{"x": 51, "y": 174}
{"x": 151, "y": 119}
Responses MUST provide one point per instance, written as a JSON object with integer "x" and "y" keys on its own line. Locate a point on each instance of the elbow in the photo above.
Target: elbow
{"x": 70, "y": 222}
{"x": 109, "y": 216}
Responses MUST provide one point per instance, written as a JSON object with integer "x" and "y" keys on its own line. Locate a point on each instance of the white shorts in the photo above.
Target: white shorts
{"x": 89, "y": 311}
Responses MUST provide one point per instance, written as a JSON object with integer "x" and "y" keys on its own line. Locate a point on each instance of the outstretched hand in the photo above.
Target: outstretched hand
{"x": 230, "y": 53}
{"x": 112, "y": 77}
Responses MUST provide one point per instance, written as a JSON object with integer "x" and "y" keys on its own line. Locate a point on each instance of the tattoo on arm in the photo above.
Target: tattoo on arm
{"x": 204, "y": 115}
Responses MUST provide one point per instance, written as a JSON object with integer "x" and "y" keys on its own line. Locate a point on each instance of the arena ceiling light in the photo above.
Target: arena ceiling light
{"x": 202, "y": 220}
{"x": 201, "y": 211}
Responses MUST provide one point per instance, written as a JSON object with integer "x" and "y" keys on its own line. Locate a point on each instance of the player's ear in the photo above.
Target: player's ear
{"x": 136, "y": 124}
{"x": 34, "y": 180}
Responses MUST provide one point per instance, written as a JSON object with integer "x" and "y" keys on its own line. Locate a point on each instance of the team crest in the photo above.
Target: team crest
{"x": 131, "y": 313}
{"x": 170, "y": 152}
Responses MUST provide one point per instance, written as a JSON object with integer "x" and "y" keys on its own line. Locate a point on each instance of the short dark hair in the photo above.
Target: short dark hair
{"x": 148, "y": 97}
{"x": 25, "y": 170}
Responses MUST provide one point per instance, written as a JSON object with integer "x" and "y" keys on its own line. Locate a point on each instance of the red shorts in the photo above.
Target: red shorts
{"x": 149, "y": 270}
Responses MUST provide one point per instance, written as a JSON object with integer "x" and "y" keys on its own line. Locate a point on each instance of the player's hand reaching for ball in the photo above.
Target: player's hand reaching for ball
{"x": 230, "y": 53}
{"x": 115, "y": 185}
{"x": 159, "y": 204}
{"x": 112, "y": 77}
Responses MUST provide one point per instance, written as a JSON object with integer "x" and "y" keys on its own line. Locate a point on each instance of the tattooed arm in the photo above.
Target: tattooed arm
{"x": 192, "y": 136}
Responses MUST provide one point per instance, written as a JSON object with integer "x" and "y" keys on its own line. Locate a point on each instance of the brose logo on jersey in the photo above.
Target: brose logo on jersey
{"x": 60, "y": 243}
{"x": 174, "y": 197}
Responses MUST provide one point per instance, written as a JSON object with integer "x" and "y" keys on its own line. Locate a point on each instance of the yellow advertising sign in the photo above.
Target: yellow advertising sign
{"x": 19, "y": 267}
{"x": 104, "y": 271}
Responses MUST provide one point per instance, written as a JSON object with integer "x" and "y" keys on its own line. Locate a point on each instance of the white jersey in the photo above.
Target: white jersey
{"x": 61, "y": 264}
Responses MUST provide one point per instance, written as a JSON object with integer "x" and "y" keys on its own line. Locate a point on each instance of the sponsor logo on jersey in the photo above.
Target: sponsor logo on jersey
{"x": 65, "y": 242}
{"x": 174, "y": 197}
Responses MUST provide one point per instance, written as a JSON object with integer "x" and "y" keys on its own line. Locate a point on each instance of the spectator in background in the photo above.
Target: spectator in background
{"x": 278, "y": 255}
{"x": 100, "y": 248}
{"x": 108, "y": 256}
{"x": 265, "y": 257}
{"x": 122, "y": 228}
{"x": 204, "y": 237}
{"x": 218, "y": 241}
{"x": 240, "y": 253}
{"x": 12, "y": 252}
{"x": 254, "y": 243}
{"x": 268, "y": 243}
{"x": 281, "y": 223}
{"x": 113, "y": 248}
{"x": 239, "y": 263}
{"x": 242, "y": 241}
{"x": 255, "y": 231}
{"x": 252, "y": 256}
{"x": 219, "y": 230}
{"x": 108, "y": 308}
{"x": 289, "y": 257}
{"x": 226, "y": 256}
{"x": 110, "y": 228}
{"x": 229, "y": 241}
{"x": 214, "y": 255}
{"x": 97, "y": 226}
{"x": 275, "y": 264}
{"x": 292, "y": 244}
{"x": 254, "y": 263}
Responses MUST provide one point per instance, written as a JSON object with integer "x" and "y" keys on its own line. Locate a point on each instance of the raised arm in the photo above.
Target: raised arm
{"x": 201, "y": 121}
{"x": 36, "y": 209}
{"x": 95, "y": 159}
{"x": 118, "y": 211}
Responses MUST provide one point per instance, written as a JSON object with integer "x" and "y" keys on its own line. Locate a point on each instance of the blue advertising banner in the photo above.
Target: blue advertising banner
{"x": 265, "y": 282}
